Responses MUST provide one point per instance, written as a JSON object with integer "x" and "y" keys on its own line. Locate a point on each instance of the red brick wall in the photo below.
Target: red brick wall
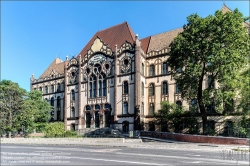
{"x": 195, "y": 138}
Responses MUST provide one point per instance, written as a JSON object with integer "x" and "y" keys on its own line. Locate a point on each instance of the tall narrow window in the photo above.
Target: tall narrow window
{"x": 142, "y": 69}
{"x": 151, "y": 90}
{"x": 151, "y": 109}
{"x": 72, "y": 112}
{"x": 194, "y": 106}
{"x": 164, "y": 88}
{"x": 95, "y": 86}
{"x": 46, "y": 89}
{"x": 72, "y": 95}
{"x": 52, "y": 101}
{"x": 211, "y": 106}
{"x": 41, "y": 89}
{"x": 209, "y": 82}
{"x": 91, "y": 86}
{"x": 125, "y": 87}
{"x": 142, "y": 89}
{"x": 164, "y": 68}
{"x": 125, "y": 108}
{"x": 97, "y": 107}
{"x": 100, "y": 88}
{"x": 58, "y": 87}
{"x": 52, "y": 88}
{"x": 152, "y": 70}
{"x": 179, "y": 104}
{"x": 177, "y": 90}
{"x": 58, "y": 101}
{"x": 104, "y": 86}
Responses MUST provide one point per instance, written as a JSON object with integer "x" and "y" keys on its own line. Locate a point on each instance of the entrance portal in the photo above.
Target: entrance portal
{"x": 125, "y": 126}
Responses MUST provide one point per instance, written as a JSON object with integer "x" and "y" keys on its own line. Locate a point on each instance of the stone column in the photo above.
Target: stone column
{"x": 137, "y": 84}
{"x": 115, "y": 84}
{"x": 79, "y": 94}
{"x": 65, "y": 92}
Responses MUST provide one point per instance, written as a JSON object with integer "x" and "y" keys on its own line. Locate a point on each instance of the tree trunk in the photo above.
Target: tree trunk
{"x": 204, "y": 120}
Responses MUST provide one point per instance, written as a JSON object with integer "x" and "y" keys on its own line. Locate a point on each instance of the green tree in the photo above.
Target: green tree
{"x": 11, "y": 100}
{"x": 35, "y": 112}
{"x": 214, "y": 47}
{"x": 174, "y": 118}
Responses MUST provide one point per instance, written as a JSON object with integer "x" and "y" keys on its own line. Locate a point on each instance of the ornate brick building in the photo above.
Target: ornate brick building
{"x": 117, "y": 81}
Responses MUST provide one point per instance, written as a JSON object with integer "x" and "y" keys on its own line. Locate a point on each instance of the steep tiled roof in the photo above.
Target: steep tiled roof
{"x": 117, "y": 34}
{"x": 145, "y": 44}
{"x": 163, "y": 40}
{"x": 57, "y": 65}
{"x": 225, "y": 9}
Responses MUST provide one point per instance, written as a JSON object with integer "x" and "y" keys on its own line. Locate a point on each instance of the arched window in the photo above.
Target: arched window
{"x": 72, "y": 112}
{"x": 107, "y": 107}
{"x": 164, "y": 68}
{"x": 52, "y": 101}
{"x": 46, "y": 89}
{"x": 88, "y": 108}
{"x": 142, "y": 89}
{"x": 125, "y": 108}
{"x": 41, "y": 89}
{"x": 125, "y": 87}
{"x": 73, "y": 95}
{"x": 95, "y": 86}
{"x": 58, "y": 102}
{"x": 58, "y": 87}
{"x": 104, "y": 85}
{"x": 151, "y": 90}
{"x": 52, "y": 88}
{"x": 179, "y": 103}
{"x": 177, "y": 90}
{"x": 164, "y": 88}
{"x": 152, "y": 70}
{"x": 151, "y": 109}
{"x": 100, "y": 86}
{"x": 97, "y": 107}
{"x": 142, "y": 69}
{"x": 90, "y": 86}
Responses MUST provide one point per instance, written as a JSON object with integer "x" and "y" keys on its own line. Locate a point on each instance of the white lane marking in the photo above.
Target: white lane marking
{"x": 118, "y": 161}
{"x": 187, "y": 158}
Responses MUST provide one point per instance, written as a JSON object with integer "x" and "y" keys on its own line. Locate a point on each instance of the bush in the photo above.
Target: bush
{"x": 55, "y": 129}
{"x": 70, "y": 133}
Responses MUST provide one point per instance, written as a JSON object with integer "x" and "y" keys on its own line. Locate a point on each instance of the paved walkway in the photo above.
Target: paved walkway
{"x": 165, "y": 144}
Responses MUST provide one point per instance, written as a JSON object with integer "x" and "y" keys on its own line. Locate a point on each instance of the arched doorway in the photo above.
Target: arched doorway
{"x": 107, "y": 119}
{"x": 88, "y": 119}
{"x": 151, "y": 126}
{"x": 97, "y": 119}
{"x": 125, "y": 126}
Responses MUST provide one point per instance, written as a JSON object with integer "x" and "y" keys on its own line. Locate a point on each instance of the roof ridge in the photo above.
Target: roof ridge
{"x": 166, "y": 31}
{"x": 130, "y": 31}
{"x": 112, "y": 27}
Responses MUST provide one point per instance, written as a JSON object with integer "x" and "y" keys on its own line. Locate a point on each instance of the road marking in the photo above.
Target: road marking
{"x": 187, "y": 158}
{"x": 118, "y": 161}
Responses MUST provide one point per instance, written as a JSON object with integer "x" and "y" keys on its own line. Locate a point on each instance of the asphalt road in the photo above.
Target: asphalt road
{"x": 20, "y": 154}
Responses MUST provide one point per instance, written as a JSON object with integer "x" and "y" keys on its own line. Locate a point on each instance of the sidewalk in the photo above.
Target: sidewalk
{"x": 122, "y": 142}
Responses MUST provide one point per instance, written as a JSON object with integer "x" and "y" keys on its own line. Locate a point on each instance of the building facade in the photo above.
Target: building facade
{"x": 117, "y": 81}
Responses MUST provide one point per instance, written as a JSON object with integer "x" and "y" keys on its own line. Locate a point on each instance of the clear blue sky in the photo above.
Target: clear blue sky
{"x": 33, "y": 34}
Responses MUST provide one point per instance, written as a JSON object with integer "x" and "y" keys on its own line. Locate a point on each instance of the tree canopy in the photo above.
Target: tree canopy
{"x": 210, "y": 50}
{"x": 21, "y": 109}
